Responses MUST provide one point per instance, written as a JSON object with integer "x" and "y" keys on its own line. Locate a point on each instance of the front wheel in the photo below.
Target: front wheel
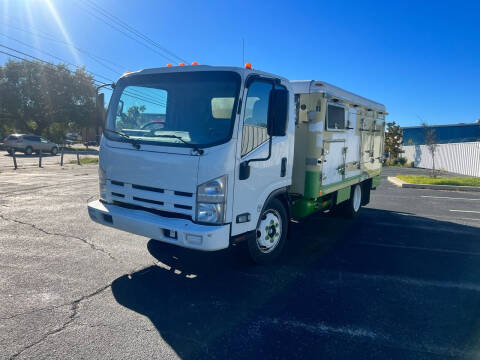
{"x": 271, "y": 233}
{"x": 28, "y": 151}
{"x": 54, "y": 151}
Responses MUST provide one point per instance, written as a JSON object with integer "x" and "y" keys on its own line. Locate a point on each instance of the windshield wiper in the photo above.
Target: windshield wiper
{"x": 132, "y": 141}
{"x": 171, "y": 136}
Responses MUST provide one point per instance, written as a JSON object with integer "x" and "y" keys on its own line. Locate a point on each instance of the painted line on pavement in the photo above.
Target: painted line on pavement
{"x": 353, "y": 331}
{"x": 406, "y": 247}
{"x": 466, "y": 211}
{"x": 413, "y": 281}
{"x": 450, "y": 198}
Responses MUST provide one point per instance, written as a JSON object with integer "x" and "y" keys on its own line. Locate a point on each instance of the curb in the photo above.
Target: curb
{"x": 400, "y": 183}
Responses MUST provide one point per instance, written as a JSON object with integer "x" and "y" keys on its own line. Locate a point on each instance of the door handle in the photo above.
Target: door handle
{"x": 283, "y": 170}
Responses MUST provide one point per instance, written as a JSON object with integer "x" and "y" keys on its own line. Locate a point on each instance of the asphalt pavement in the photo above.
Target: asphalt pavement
{"x": 402, "y": 280}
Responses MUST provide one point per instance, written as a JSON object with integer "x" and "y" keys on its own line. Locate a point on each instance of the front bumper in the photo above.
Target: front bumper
{"x": 188, "y": 234}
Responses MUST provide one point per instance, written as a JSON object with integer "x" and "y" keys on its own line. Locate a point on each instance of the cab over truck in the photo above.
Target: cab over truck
{"x": 205, "y": 157}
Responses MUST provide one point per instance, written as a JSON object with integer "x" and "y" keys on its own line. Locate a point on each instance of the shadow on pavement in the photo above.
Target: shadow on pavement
{"x": 219, "y": 305}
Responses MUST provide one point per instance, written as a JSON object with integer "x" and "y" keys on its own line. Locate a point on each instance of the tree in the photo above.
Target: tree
{"x": 393, "y": 140}
{"x": 431, "y": 143}
{"x": 132, "y": 119}
{"x": 45, "y": 99}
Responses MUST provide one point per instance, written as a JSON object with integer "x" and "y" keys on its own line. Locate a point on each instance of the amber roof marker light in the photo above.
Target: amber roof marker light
{"x": 194, "y": 63}
{"x": 169, "y": 65}
{"x": 181, "y": 64}
{"x": 248, "y": 66}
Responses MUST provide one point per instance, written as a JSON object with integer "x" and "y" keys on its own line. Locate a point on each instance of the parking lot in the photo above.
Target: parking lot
{"x": 400, "y": 281}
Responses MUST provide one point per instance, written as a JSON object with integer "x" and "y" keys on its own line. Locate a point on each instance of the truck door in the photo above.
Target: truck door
{"x": 265, "y": 176}
{"x": 334, "y": 145}
{"x": 353, "y": 152}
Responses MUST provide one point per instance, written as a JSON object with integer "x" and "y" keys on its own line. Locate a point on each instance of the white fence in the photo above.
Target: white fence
{"x": 460, "y": 158}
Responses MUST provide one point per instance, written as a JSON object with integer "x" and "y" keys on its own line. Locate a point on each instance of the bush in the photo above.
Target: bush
{"x": 402, "y": 162}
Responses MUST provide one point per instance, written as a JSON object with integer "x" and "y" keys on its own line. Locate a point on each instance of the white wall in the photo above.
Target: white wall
{"x": 460, "y": 158}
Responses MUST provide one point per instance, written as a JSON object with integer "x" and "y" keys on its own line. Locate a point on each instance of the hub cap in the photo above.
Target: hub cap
{"x": 269, "y": 231}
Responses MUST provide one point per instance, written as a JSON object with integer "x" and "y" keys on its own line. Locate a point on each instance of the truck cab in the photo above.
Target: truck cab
{"x": 193, "y": 155}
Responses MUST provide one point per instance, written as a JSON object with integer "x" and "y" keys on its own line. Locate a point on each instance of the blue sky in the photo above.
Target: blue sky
{"x": 420, "y": 58}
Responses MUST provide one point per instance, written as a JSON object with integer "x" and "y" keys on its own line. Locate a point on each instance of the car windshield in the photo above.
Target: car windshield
{"x": 176, "y": 109}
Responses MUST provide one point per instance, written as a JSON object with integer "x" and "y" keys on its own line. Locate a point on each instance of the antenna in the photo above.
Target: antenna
{"x": 243, "y": 51}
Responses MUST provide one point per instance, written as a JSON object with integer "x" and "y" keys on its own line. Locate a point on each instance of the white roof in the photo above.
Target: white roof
{"x": 308, "y": 86}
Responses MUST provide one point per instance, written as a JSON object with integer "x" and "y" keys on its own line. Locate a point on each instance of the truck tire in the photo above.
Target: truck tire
{"x": 28, "y": 150}
{"x": 271, "y": 233}
{"x": 351, "y": 207}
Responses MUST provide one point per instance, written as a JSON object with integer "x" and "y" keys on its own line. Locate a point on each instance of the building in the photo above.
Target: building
{"x": 458, "y": 148}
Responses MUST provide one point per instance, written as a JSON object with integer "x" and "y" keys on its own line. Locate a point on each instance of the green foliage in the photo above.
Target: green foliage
{"x": 86, "y": 160}
{"x": 431, "y": 142}
{"x": 393, "y": 140}
{"x": 457, "y": 181}
{"x": 401, "y": 161}
{"x": 131, "y": 120}
{"x": 47, "y": 100}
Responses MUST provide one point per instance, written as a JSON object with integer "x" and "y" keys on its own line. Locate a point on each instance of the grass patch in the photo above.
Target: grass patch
{"x": 87, "y": 160}
{"x": 456, "y": 181}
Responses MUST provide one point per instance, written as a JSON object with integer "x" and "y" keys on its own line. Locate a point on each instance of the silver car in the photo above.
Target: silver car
{"x": 29, "y": 144}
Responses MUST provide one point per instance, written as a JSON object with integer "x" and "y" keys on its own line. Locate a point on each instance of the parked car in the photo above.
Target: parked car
{"x": 91, "y": 143}
{"x": 29, "y": 144}
{"x": 73, "y": 136}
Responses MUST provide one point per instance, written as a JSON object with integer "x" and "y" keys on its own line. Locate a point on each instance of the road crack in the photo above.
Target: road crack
{"x": 74, "y": 305}
{"x": 85, "y": 241}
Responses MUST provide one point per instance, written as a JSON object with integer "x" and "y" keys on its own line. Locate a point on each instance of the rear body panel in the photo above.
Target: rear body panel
{"x": 328, "y": 159}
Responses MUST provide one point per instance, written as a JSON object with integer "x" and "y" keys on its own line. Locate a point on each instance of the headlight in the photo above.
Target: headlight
{"x": 211, "y": 199}
{"x": 102, "y": 183}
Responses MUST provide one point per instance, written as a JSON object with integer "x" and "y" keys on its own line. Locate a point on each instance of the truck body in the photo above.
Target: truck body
{"x": 205, "y": 157}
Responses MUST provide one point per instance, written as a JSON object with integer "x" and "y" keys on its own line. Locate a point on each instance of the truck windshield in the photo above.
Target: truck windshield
{"x": 175, "y": 109}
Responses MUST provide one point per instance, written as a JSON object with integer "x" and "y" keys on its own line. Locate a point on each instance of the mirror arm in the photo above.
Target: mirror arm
{"x": 268, "y": 156}
{"x": 245, "y": 167}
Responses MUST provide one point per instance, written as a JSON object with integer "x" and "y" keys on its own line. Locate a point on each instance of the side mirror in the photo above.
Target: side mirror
{"x": 277, "y": 112}
{"x": 244, "y": 171}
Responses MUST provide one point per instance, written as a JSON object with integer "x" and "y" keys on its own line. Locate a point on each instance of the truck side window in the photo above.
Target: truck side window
{"x": 256, "y": 111}
{"x": 335, "y": 117}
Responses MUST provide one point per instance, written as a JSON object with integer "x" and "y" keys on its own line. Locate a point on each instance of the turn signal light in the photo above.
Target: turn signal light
{"x": 248, "y": 66}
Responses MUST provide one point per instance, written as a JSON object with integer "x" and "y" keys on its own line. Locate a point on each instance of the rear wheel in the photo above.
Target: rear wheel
{"x": 28, "y": 150}
{"x": 271, "y": 233}
{"x": 352, "y": 206}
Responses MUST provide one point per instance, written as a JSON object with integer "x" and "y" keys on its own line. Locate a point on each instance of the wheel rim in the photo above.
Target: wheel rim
{"x": 269, "y": 231}
{"x": 357, "y": 198}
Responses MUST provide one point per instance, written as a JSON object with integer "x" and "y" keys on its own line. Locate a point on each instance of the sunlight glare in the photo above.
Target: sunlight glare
{"x": 66, "y": 36}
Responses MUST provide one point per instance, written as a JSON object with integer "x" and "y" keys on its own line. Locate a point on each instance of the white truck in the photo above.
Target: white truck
{"x": 205, "y": 157}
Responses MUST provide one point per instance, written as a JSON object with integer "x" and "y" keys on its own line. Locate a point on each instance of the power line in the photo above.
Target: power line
{"x": 52, "y": 38}
{"x": 120, "y": 28}
{"x": 132, "y": 93}
{"x": 133, "y": 30}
